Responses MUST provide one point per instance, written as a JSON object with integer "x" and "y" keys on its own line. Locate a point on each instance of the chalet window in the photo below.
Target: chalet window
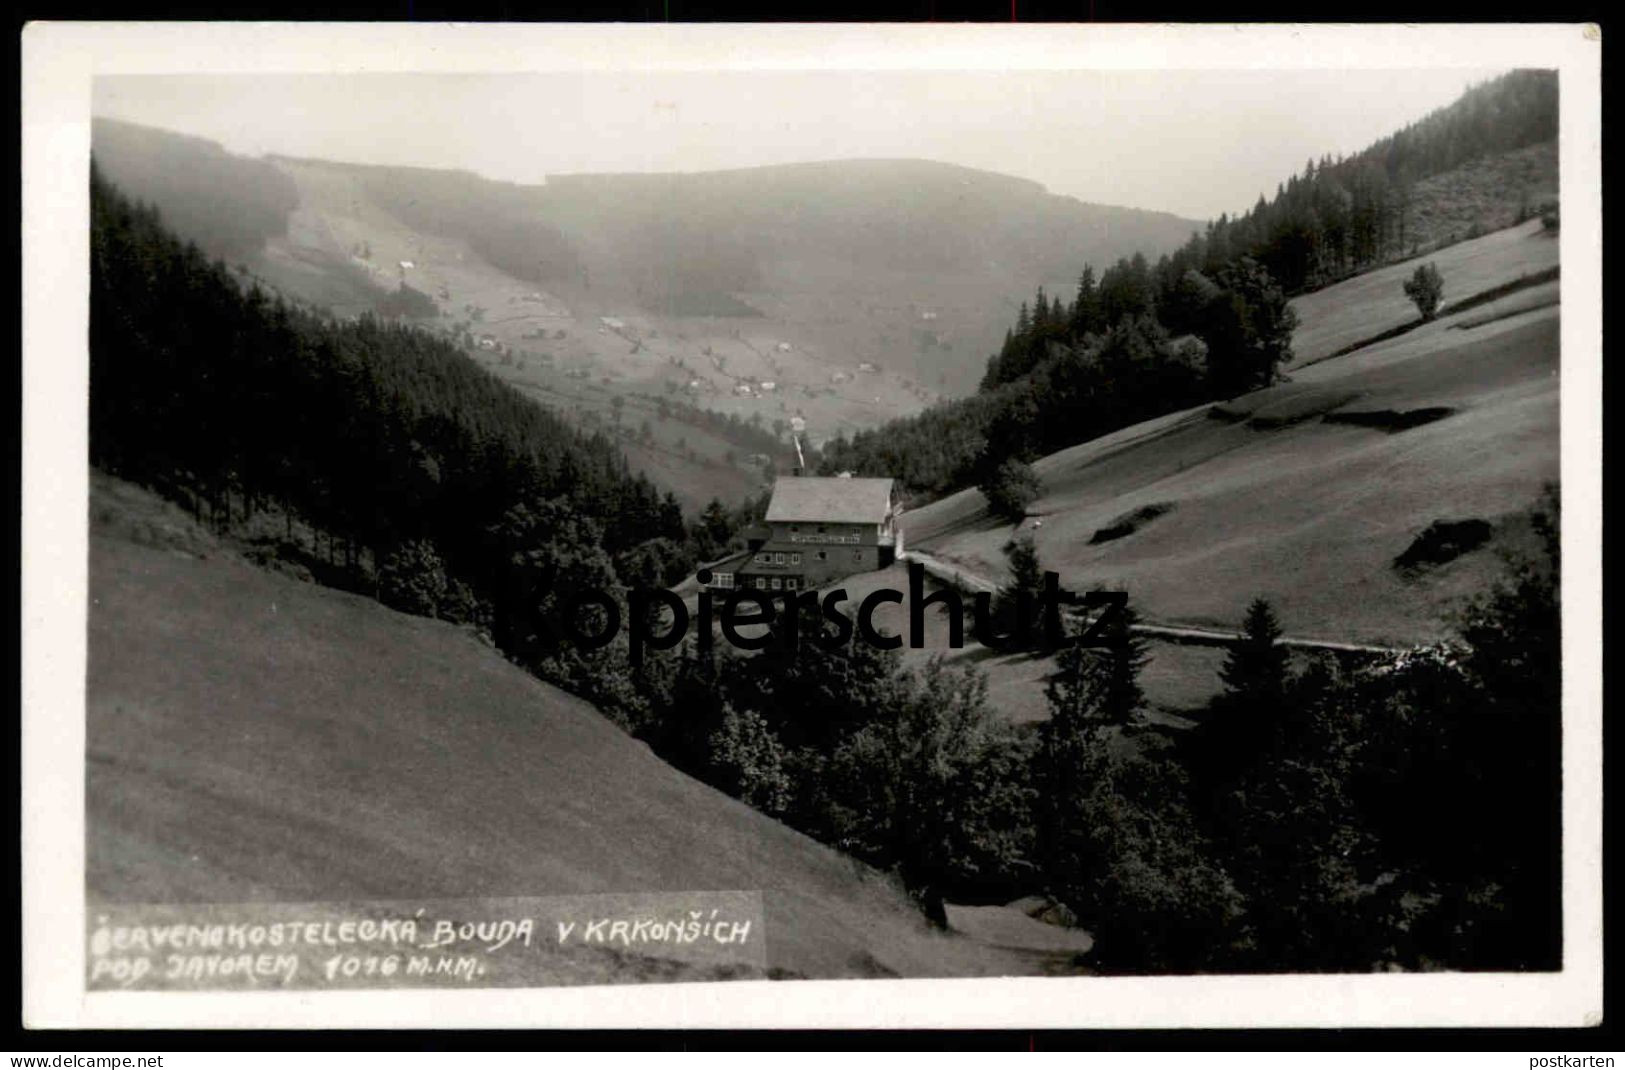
{"x": 790, "y": 583}
{"x": 778, "y": 559}
{"x": 764, "y": 558}
{"x": 724, "y": 579}
{"x": 795, "y": 559}
{"x": 776, "y": 583}
{"x": 857, "y": 555}
{"x": 823, "y": 555}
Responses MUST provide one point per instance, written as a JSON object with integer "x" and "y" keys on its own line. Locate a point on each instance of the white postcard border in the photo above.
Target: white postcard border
{"x": 59, "y": 61}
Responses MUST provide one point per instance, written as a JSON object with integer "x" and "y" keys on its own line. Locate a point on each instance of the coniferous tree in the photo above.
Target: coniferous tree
{"x": 1086, "y": 306}
{"x": 1117, "y": 842}
{"x": 1254, "y": 671}
{"x": 1026, "y": 574}
{"x": 1099, "y": 687}
{"x": 1255, "y": 680}
{"x": 1020, "y": 596}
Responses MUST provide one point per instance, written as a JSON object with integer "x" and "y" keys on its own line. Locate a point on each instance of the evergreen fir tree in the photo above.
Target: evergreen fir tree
{"x": 1091, "y": 691}
{"x": 1096, "y": 687}
{"x": 1086, "y": 306}
{"x": 1026, "y": 585}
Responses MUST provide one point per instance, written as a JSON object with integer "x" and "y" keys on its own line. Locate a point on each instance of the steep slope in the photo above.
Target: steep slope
{"x": 255, "y": 738}
{"x": 1365, "y": 306}
{"x": 1305, "y": 493}
{"x": 1485, "y": 194}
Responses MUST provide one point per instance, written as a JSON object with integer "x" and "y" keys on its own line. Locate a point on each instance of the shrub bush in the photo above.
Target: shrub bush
{"x": 1010, "y": 488}
{"x": 748, "y": 762}
{"x": 413, "y": 579}
{"x": 1425, "y": 288}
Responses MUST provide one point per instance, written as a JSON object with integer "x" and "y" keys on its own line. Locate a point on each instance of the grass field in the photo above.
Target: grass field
{"x": 1277, "y": 500}
{"x": 255, "y": 738}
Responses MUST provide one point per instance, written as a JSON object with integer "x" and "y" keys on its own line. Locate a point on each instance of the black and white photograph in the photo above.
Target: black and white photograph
{"x": 620, "y": 529}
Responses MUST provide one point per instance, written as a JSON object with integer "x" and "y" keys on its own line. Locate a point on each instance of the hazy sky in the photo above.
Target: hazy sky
{"x": 1195, "y": 143}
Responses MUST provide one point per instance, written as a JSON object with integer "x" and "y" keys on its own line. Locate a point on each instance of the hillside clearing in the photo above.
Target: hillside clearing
{"x": 254, "y": 738}
{"x": 1305, "y": 493}
{"x": 1307, "y": 515}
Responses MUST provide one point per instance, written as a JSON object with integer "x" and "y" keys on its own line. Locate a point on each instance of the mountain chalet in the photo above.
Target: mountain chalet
{"x": 817, "y": 529}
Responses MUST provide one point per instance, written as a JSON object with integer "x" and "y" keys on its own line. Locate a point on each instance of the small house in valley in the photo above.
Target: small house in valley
{"x": 817, "y": 530}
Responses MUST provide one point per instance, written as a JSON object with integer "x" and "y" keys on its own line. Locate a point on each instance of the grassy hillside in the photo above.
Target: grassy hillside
{"x": 1367, "y": 305}
{"x": 860, "y": 290}
{"x": 255, "y": 738}
{"x": 1304, "y": 493}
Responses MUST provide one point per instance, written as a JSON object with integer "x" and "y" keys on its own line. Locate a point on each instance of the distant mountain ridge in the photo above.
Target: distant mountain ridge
{"x": 228, "y": 204}
{"x": 693, "y": 232}
{"x": 845, "y": 292}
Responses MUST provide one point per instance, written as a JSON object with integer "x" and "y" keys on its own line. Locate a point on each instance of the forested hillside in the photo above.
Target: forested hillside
{"x": 228, "y": 204}
{"x": 1212, "y": 320}
{"x": 379, "y": 459}
{"x": 499, "y": 221}
{"x": 1069, "y": 373}
{"x": 908, "y": 266}
{"x": 1344, "y": 215}
{"x": 391, "y": 461}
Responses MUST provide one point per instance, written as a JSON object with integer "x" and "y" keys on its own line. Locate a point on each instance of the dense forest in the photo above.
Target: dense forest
{"x": 1071, "y": 372}
{"x": 1205, "y": 322}
{"x": 229, "y": 204}
{"x": 497, "y": 219}
{"x": 1348, "y": 214}
{"x": 1340, "y": 814}
{"x": 384, "y": 448}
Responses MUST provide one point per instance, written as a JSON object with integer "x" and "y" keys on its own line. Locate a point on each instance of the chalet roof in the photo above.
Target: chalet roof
{"x": 835, "y": 499}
